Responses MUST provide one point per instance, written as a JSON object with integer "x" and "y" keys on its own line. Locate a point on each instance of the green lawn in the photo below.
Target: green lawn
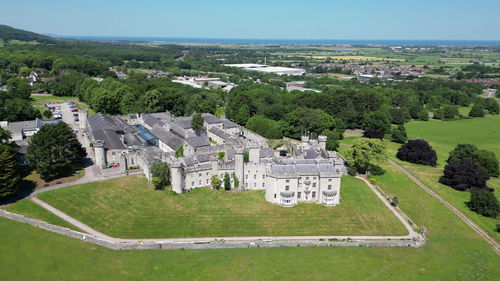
{"x": 41, "y": 100}
{"x": 453, "y": 252}
{"x": 131, "y": 208}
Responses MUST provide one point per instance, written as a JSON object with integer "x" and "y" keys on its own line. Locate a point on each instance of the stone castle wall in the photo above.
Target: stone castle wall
{"x": 203, "y": 244}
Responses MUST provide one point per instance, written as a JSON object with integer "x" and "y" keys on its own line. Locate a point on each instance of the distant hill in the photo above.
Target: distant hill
{"x": 9, "y": 33}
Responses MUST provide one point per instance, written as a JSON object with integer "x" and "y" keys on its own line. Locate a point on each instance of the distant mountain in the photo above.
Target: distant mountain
{"x": 49, "y": 34}
{"x": 9, "y": 33}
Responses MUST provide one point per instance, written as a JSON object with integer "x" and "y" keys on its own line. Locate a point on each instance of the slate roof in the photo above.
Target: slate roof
{"x": 184, "y": 122}
{"x": 293, "y": 169}
{"x": 168, "y": 138}
{"x": 151, "y": 121}
{"x": 205, "y": 157}
{"x": 126, "y": 128}
{"x": 189, "y": 161}
{"x": 266, "y": 152}
{"x": 101, "y": 121}
{"x": 132, "y": 139}
{"x": 311, "y": 153}
{"x": 227, "y": 124}
{"x": 198, "y": 142}
{"x": 110, "y": 138}
{"x": 218, "y": 132}
{"x": 210, "y": 119}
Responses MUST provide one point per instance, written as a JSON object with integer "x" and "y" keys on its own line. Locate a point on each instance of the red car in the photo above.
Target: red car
{"x": 74, "y": 110}
{"x": 76, "y": 114}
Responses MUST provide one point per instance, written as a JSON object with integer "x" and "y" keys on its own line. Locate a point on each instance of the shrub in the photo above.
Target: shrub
{"x": 399, "y": 134}
{"x": 417, "y": 151}
{"x": 465, "y": 175}
{"x": 373, "y": 181}
{"x": 484, "y": 203}
{"x": 373, "y": 134}
{"x": 395, "y": 201}
{"x": 498, "y": 227}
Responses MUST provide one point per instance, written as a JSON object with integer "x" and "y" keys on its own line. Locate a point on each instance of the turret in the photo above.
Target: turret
{"x": 100, "y": 154}
{"x": 322, "y": 142}
{"x": 214, "y": 161}
{"x": 176, "y": 168}
{"x": 238, "y": 166}
{"x": 83, "y": 114}
{"x": 254, "y": 152}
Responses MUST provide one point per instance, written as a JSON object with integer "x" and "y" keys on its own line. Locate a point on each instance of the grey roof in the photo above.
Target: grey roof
{"x": 168, "y": 138}
{"x": 163, "y": 116}
{"x": 189, "y": 161}
{"x": 292, "y": 169}
{"x": 266, "y": 152}
{"x": 287, "y": 193}
{"x": 230, "y": 153}
{"x": 283, "y": 169}
{"x": 205, "y": 157}
{"x": 228, "y": 124}
{"x": 100, "y": 122}
{"x": 210, "y": 119}
{"x": 133, "y": 116}
{"x": 110, "y": 138}
{"x": 330, "y": 192}
{"x": 151, "y": 120}
{"x": 218, "y": 132}
{"x": 184, "y": 122}
{"x": 132, "y": 139}
{"x": 126, "y": 128}
{"x": 311, "y": 153}
{"x": 198, "y": 142}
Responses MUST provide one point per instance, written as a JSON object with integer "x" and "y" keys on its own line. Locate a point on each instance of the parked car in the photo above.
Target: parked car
{"x": 74, "y": 110}
{"x": 57, "y": 116}
{"x": 77, "y": 119}
{"x": 75, "y": 114}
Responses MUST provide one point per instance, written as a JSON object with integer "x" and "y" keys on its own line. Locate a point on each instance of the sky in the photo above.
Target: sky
{"x": 280, "y": 19}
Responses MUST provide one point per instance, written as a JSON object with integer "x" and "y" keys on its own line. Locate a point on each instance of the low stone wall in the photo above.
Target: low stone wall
{"x": 158, "y": 245}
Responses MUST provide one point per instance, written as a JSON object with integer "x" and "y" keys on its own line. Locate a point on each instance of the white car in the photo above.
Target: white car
{"x": 57, "y": 116}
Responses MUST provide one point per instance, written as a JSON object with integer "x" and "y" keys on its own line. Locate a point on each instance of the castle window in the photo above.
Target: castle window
{"x": 314, "y": 178}
{"x": 300, "y": 178}
{"x": 275, "y": 196}
{"x": 192, "y": 176}
{"x": 254, "y": 184}
{"x": 246, "y": 177}
{"x": 254, "y": 177}
{"x": 314, "y": 184}
{"x": 200, "y": 183}
{"x": 192, "y": 183}
{"x": 132, "y": 160}
{"x": 199, "y": 175}
{"x": 231, "y": 175}
{"x": 287, "y": 181}
{"x": 263, "y": 176}
{"x": 263, "y": 185}
{"x": 207, "y": 173}
{"x": 329, "y": 187}
{"x": 298, "y": 194}
{"x": 246, "y": 184}
{"x": 287, "y": 188}
{"x": 300, "y": 185}
{"x": 307, "y": 178}
{"x": 314, "y": 194}
{"x": 207, "y": 181}
{"x": 329, "y": 180}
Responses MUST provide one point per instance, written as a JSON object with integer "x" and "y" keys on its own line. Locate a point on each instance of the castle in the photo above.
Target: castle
{"x": 308, "y": 173}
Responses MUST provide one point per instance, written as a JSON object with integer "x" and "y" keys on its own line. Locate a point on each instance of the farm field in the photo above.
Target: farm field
{"x": 131, "y": 208}
{"x": 453, "y": 252}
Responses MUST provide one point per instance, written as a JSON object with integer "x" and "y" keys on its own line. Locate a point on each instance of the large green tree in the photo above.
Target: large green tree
{"x": 54, "y": 151}
{"x": 484, "y": 202}
{"x": 365, "y": 153}
{"x": 378, "y": 121}
{"x": 9, "y": 172}
{"x": 161, "y": 175}
{"x": 197, "y": 123}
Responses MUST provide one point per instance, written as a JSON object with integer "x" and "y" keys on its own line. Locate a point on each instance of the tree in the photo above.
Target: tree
{"x": 399, "y": 134}
{"x": 5, "y": 136}
{"x": 161, "y": 175}
{"x": 246, "y": 157}
{"x": 373, "y": 134}
{"x": 216, "y": 182}
{"x": 464, "y": 175}
{"x": 450, "y": 112}
{"x": 438, "y": 114}
{"x": 395, "y": 201}
{"x": 179, "y": 152}
{"x": 365, "y": 153}
{"x": 221, "y": 155}
{"x": 377, "y": 121}
{"x": 9, "y": 171}
{"x": 423, "y": 115}
{"x": 332, "y": 138}
{"x": 487, "y": 161}
{"x": 417, "y": 151}
{"x": 461, "y": 153}
{"x": 236, "y": 180}
{"x": 227, "y": 182}
{"x": 484, "y": 203}
{"x": 47, "y": 114}
{"x": 197, "y": 123}
{"x": 476, "y": 111}
{"x": 54, "y": 151}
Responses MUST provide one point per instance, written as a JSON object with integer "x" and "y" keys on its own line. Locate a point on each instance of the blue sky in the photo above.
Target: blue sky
{"x": 313, "y": 19}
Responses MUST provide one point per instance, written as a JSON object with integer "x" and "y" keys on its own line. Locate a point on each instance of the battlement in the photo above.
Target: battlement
{"x": 239, "y": 149}
{"x": 176, "y": 164}
{"x": 99, "y": 143}
{"x": 322, "y": 138}
{"x": 305, "y": 138}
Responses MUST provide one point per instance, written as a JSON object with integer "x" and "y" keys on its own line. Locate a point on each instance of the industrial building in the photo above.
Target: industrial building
{"x": 269, "y": 69}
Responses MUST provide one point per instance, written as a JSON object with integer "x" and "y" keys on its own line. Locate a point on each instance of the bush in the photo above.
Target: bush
{"x": 498, "y": 227}
{"x": 373, "y": 134}
{"x": 417, "y": 151}
{"x": 373, "y": 181}
{"x": 399, "y": 134}
{"x": 352, "y": 171}
{"x": 484, "y": 203}
{"x": 465, "y": 175}
{"x": 395, "y": 201}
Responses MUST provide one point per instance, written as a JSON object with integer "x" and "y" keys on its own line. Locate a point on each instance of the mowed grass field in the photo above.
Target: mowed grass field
{"x": 131, "y": 208}
{"x": 453, "y": 252}
{"x": 443, "y": 136}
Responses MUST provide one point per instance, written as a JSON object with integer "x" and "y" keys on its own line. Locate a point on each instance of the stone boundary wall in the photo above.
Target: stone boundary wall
{"x": 211, "y": 244}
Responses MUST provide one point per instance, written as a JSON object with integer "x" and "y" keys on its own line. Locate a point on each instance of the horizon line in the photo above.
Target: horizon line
{"x": 261, "y": 38}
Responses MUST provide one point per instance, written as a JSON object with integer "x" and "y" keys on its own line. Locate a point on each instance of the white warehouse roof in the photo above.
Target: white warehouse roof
{"x": 269, "y": 69}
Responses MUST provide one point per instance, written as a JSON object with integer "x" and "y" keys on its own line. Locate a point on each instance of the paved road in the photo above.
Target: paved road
{"x": 481, "y": 232}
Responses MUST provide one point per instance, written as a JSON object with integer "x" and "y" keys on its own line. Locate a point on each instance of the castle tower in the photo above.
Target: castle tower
{"x": 238, "y": 166}
{"x": 322, "y": 142}
{"x": 254, "y": 153}
{"x": 100, "y": 154}
{"x": 214, "y": 161}
{"x": 123, "y": 163}
{"x": 305, "y": 143}
{"x": 83, "y": 114}
{"x": 176, "y": 168}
